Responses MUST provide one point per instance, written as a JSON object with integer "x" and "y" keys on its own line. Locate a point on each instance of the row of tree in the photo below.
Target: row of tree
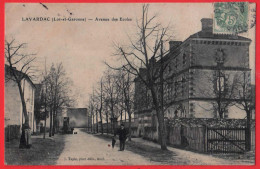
{"x": 112, "y": 100}
{"x": 55, "y": 94}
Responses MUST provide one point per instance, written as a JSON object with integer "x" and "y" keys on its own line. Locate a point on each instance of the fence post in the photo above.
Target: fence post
{"x": 247, "y": 138}
{"x": 205, "y": 137}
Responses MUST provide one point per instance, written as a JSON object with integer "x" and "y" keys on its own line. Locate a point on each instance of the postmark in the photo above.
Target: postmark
{"x": 230, "y": 17}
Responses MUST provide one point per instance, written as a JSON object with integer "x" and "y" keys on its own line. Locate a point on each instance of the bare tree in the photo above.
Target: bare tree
{"x": 99, "y": 101}
{"x": 20, "y": 67}
{"x": 221, "y": 89}
{"x": 111, "y": 96}
{"x": 144, "y": 52}
{"x": 245, "y": 102}
{"x": 59, "y": 94}
{"x": 106, "y": 110}
{"x": 125, "y": 86}
{"x": 91, "y": 109}
{"x": 39, "y": 105}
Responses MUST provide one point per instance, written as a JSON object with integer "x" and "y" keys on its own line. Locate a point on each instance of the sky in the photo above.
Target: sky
{"x": 83, "y": 47}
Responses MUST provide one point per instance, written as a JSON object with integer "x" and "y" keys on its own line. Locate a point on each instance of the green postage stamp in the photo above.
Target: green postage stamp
{"x": 230, "y": 17}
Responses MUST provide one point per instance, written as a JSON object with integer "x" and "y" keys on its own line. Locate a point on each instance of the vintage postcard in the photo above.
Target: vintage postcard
{"x": 129, "y": 84}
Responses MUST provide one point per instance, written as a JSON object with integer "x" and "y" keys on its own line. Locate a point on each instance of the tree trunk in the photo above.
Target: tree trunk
{"x": 50, "y": 132}
{"x": 93, "y": 124}
{"x": 26, "y": 117}
{"x": 92, "y": 121}
{"x": 97, "y": 120}
{"x": 130, "y": 125}
{"x": 101, "y": 121}
{"x": 53, "y": 122}
{"x": 44, "y": 125}
{"x": 45, "y": 111}
{"x": 248, "y": 128}
{"x": 23, "y": 143}
{"x": 162, "y": 130}
{"x": 107, "y": 121}
{"x": 121, "y": 116}
{"x": 125, "y": 116}
{"x": 160, "y": 117}
{"x": 111, "y": 126}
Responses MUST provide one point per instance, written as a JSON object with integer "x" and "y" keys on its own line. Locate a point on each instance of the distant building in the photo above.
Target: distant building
{"x": 197, "y": 67}
{"x": 13, "y": 105}
{"x": 78, "y": 117}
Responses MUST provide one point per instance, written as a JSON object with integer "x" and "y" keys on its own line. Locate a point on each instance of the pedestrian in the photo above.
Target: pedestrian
{"x": 122, "y": 132}
{"x": 113, "y": 142}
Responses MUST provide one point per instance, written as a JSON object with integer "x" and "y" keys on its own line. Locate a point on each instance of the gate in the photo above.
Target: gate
{"x": 226, "y": 140}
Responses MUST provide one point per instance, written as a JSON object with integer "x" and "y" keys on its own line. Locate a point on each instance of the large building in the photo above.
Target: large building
{"x": 13, "y": 104}
{"x": 79, "y": 117}
{"x": 200, "y": 71}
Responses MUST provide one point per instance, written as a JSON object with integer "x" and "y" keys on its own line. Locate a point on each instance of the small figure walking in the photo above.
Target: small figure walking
{"x": 122, "y": 132}
{"x": 113, "y": 142}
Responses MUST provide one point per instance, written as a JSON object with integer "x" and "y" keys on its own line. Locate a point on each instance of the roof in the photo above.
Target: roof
{"x": 7, "y": 69}
{"x": 210, "y": 35}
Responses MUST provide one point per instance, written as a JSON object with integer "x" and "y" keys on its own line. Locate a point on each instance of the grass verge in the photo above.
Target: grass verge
{"x": 43, "y": 151}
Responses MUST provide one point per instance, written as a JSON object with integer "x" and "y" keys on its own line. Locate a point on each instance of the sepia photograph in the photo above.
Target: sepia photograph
{"x": 125, "y": 84}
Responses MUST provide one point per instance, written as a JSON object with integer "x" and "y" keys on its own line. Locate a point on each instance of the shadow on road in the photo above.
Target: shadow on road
{"x": 151, "y": 153}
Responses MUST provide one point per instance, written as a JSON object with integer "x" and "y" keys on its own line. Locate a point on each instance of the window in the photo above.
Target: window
{"x": 176, "y": 63}
{"x": 165, "y": 89}
{"x": 172, "y": 91}
{"x": 220, "y": 82}
{"x": 175, "y": 88}
{"x": 169, "y": 91}
{"x": 184, "y": 59}
{"x": 169, "y": 69}
{"x": 183, "y": 85}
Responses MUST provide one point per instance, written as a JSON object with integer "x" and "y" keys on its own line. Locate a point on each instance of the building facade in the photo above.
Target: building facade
{"x": 202, "y": 73}
{"x": 13, "y": 105}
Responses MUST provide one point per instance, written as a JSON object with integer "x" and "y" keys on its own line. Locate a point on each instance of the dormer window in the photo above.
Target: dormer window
{"x": 220, "y": 57}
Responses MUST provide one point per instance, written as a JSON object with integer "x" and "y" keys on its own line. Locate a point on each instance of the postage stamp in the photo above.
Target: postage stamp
{"x": 230, "y": 17}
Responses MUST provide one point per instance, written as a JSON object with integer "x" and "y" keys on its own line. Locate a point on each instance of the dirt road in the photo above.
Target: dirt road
{"x": 86, "y": 149}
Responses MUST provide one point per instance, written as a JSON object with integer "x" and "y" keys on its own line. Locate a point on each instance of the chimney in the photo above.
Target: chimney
{"x": 207, "y": 24}
{"x": 174, "y": 45}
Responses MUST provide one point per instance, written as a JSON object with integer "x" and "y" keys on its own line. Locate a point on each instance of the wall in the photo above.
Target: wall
{"x": 181, "y": 107}
{"x": 29, "y": 92}
{"x": 236, "y": 53}
{"x": 203, "y": 81}
{"x": 13, "y": 105}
